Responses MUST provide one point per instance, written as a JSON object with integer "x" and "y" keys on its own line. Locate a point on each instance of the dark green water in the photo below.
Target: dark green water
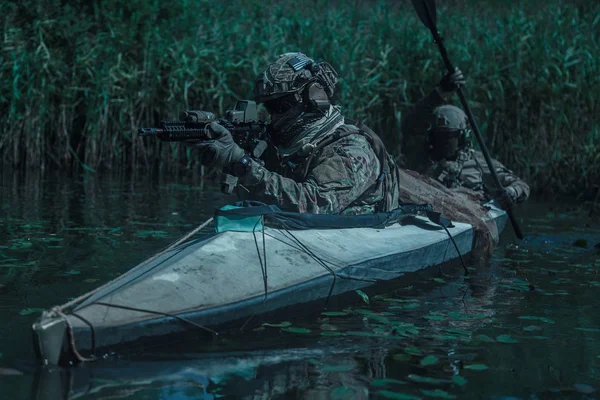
{"x": 524, "y": 326}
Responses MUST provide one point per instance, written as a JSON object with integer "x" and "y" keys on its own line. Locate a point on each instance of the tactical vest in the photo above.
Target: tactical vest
{"x": 378, "y": 147}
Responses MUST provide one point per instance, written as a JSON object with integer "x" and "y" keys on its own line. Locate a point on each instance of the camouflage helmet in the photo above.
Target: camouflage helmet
{"x": 448, "y": 132}
{"x": 449, "y": 117}
{"x": 290, "y": 74}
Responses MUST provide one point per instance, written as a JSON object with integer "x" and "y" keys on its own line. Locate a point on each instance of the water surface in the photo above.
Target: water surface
{"x": 523, "y": 325}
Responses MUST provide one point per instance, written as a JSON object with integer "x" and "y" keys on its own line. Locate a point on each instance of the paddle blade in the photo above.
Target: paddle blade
{"x": 426, "y": 12}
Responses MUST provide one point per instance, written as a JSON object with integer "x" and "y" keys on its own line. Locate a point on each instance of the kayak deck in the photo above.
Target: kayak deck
{"x": 232, "y": 276}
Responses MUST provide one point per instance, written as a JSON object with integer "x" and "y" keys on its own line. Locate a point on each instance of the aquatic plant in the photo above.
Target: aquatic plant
{"x": 78, "y": 78}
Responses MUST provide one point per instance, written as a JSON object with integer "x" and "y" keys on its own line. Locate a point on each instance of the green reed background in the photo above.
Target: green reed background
{"x": 77, "y": 78}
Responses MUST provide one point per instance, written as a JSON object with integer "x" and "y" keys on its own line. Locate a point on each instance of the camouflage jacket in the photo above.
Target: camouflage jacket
{"x": 343, "y": 177}
{"x": 469, "y": 170}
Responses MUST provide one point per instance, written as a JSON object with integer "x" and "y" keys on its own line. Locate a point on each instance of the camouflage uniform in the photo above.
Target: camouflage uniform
{"x": 343, "y": 178}
{"x": 322, "y": 164}
{"x": 468, "y": 170}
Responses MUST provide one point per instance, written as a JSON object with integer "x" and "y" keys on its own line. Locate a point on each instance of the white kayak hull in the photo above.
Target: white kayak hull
{"x": 221, "y": 281}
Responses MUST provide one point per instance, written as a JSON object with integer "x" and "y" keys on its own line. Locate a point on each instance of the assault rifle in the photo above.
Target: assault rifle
{"x": 248, "y": 132}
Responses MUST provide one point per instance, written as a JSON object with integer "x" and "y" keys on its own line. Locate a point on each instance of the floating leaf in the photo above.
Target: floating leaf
{"x": 28, "y": 311}
{"x": 506, "y": 339}
{"x": 529, "y": 317}
{"x": 426, "y": 379}
{"x": 435, "y": 317}
{"x": 71, "y": 272}
{"x": 296, "y": 330}
{"x": 477, "y": 367}
{"x": 282, "y": 324}
{"x": 331, "y": 333}
{"x": 485, "y": 338}
{"x": 538, "y": 337}
{"x": 334, "y": 313}
{"x": 459, "y": 380}
{"x": 428, "y": 360}
{"x": 439, "y": 280}
{"x": 388, "y": 381}
{"x": 398, "y": 396}
{"x": 438, "y": 393}
{"x": 531, "y": 328}
{"x": 379, "y": 318}
{"x": 342, "y": 392}
{"x": 315, "y": 362}
{"x": 363, "y": 295}
{"x": 588, "y": 329}
{"x": 413, "y": 351}
{"x": 337, "y": 368}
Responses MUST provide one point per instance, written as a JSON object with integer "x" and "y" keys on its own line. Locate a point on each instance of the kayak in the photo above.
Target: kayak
{"x": 236, "y": 277}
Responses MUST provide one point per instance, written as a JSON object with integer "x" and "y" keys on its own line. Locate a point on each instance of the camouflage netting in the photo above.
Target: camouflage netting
{"x": 456, "y": 204}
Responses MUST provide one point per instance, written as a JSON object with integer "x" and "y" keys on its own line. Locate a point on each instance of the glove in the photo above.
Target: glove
{"x": 220, "y": 151}
{"x": 506, "y": 197}
{"x": 452, "y": 81}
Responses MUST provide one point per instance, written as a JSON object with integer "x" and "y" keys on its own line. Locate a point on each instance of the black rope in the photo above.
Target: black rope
{"x": 157, "y": 313}
{"x": 92, "y": 331}
{"x": 263, "y": 269}
{"x": 457, "y": 251}
{"x": 318, "y": 260}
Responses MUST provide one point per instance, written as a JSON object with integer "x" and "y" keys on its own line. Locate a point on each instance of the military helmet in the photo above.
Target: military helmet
{"x": 449, "y": 117}
{"x": 290, "y": 74}
{"x": 448, "y": 132}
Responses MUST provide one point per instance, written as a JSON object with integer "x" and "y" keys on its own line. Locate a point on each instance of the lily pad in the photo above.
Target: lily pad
{"x": 459, "y": 380}
{"x": 441, "y": 394}
{"x": 331, "y": 333}
{"x": 477, "y": 367}
{"x": 363, "y": 295}
{"x": 282, "y": 324}
{"x": 398, "y": 396}
{"x": 388, "y": 381}
{"x": 429, "y": 360}
{"x": 485, "y": 338}
{"x": 588, "y": 329}
{"x": 531, "y": 328}
{"x": 28, "y": 311}
{"x": 334, "y": 313}
{"x": 435, "y": 317}
{"x": 337, "y": 368}
{"x": 342, "y": 392}
{"x": 506, "y": 339}
{"x": 296, "y": 330}
{"x": 426, "y": 379}
{"x": 439, "y": 280}
{"x": 413, "y": 351}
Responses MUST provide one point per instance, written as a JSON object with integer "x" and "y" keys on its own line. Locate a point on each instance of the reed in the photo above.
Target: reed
{"x": 77, "y": 78}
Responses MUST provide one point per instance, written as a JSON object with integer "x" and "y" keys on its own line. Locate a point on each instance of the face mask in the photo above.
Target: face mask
{"x": 444, "y": 145}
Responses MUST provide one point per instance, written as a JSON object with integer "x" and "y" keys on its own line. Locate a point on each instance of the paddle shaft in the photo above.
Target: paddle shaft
{"x": 439, "y": 41}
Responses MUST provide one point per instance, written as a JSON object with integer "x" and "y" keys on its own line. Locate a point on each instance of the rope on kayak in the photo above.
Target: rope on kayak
{"x": 263, "y": 268}
{"x": 157, "y": 313}
{"x": 70, "y": 336}
{"x": 457, "y": 251}
{"x": 170, "y": 247}
{"x": 58, "y": 311}
{"x": 318, "y": 260}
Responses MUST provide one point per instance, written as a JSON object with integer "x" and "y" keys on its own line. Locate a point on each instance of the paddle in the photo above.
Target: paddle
{"x": 426, "y": 12}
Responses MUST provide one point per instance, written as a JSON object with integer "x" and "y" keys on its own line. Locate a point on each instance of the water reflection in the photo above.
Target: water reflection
{"x": 524, "y": 324}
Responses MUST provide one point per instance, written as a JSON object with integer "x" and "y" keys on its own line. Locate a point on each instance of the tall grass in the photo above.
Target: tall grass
{"x": 77, "y": 78}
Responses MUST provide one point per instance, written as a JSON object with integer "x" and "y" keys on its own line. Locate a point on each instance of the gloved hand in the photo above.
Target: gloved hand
{"x": 220, "y": 151}
{"x": 452, "y": 81}
{"x": 506, "y": 197}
